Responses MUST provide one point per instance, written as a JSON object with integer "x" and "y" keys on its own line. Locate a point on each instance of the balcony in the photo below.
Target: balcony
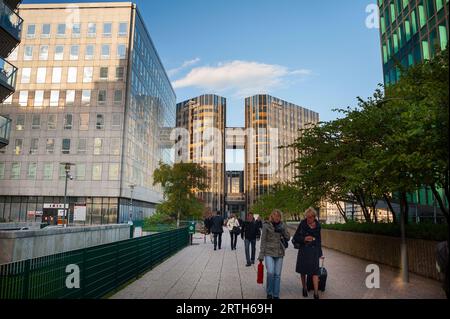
{"x": 8, "y": 73}
{"x": 10, "y": 29}
{"x": 12, "y": 3}
{"x": 5, "y": 130}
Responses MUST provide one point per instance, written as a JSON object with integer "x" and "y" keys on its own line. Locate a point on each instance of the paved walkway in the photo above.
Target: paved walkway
{"x": 199, "y": 272}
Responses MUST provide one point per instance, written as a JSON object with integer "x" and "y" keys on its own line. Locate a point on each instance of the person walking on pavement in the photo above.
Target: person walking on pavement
{"x": 217, "y": 230}
{"x": 234, "y": 228}
{"x": 208, "y": 223}
{"x": 250, "y": 233}
{"x": 273, "y": 245}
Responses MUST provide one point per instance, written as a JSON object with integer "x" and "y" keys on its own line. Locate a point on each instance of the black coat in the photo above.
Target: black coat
{"x": 217, "y": 224}
{"x": 309, "y": 254}
{"x": 250, "y": 230}
{"x": 208, "y": 222}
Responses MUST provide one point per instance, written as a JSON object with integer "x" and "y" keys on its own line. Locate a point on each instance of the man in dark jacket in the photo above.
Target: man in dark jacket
{"x": 217, "y": 230}
{"x": 250, "y": 232}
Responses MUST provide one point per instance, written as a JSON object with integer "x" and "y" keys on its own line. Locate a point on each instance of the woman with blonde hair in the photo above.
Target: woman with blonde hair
{"x": 308, "y": 258}
{"x": 274, "y": 240}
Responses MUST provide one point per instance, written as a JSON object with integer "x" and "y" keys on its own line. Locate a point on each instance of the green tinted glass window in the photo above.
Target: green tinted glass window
{"x": 443, "y": 37}
{"x": 407, "y": 30}
{"x": 422, "y": 16}
{"x": 410, "y": 59}
{"x": 385, "y": 54}
{"x": 383, "y": 25}
{"x": 393, "y": 15}
{"x": 425, "y": 50}
{"x": 439, "y": 4}
{"x": 405, "y": 3}
{"x": 395, "y": 40}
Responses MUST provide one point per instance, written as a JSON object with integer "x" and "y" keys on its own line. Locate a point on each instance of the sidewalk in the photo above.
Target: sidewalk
{"x": 199, "y": 272}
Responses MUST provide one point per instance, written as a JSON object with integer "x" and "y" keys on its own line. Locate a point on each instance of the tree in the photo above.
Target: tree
{"x": 181, "y": 182}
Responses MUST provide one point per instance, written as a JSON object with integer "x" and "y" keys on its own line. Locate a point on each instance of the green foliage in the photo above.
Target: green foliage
{"x": 417, "y": 231}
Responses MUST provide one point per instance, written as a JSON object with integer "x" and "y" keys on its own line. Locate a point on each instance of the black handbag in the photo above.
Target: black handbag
{"x": 296, "y": 245}
{"x": 236, "y": 230}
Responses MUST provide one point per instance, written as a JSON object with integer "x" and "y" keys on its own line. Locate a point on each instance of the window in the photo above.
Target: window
{"x": 107, "y": 29}
{"x": 36, "y": 122}
{"x": 34, "y": 146}
{"x": 15, "y": 171}
{"x": 82, "y": 146}
{"x": 443, "y": 36}
{"x": 123, "y": 29}
{"x": 70, "y": 97}
{"x": 61, "y": 30}
{"x": 121, "y": 51}
{"x": 116, "y": 121}
{"x": 48, "y": 171}
{"x": 28, "y": 53}
{"x": 422, "y": 16}
{"x": 88, "y": 74}
{"x": 2, "y": 171}
{"x": 106, "y": 51}
{"x": 115, "y": 146}
{"x": 74, "y": 52}
{"x": 38, "y": 98}
{"x": 45, "y": 30}
{"x": 41, "y": 75}
{"x": 20, "y": 122}
{"x": 100, "y": 124}
{"x": 84, "y": 122}
{"x": 54, "y": 98}
{"x": 76, "y": 30}
{"x": 43, "y": 53}
{"x": 113, "y": 172}
{"x": 103, "y": 73}
{"x": 97, "y": 172}
{"x": 120, "y": 71}
{"x": 23, "y": 98}
{"x": 18, "y": 146}
{"x": 72, "y": 75}
{"x": 68, "y": 121}
{"x": 425, "y": 50}
{"x": 81, "y": 172}
{"x": 65, "y": 149}
{"x": 56, "y": 76}
{"x": 102, "y": 97}
{"x": 98, "y": 146}
{"x": 90, "y": 51}
{"x": 86, "y": 98}
{"x": 51, "y": 122}
{"x": 118, "y": 96}
{"x": 26, "y": 75}
{"x": 92, "y": 30}
{"x": 50, "y": 146}
{"x": 31, "y": 31}
{"x": 59, "y": 53}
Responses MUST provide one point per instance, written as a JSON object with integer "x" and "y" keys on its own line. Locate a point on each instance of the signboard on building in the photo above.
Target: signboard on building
{"x": 79, "y": 214}
{"x": 55, "y": 206}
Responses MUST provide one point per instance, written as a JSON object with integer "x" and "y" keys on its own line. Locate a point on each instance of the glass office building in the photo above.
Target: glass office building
{"x": 92, "y": 91}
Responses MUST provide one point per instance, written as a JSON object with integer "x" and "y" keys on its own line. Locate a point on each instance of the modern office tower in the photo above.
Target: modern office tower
{"x": 10, "y": 32}
{"x": 270, "y": 123}
{"x": 235, "y": 193}
{"x": 411, "y": 31}
{"x": 203, "y": 119}
{"x": 82, "y": 98}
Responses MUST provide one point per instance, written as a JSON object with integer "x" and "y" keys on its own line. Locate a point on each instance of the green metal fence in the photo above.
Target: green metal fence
{"x": 102, "y": 268}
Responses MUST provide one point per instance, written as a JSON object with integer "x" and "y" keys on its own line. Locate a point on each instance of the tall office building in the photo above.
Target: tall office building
{"x": 271, "y": 123}
{"x": 91, "y": 91}
{"x": 411, "y": 31}
{"x": 10, "y": 34}
{"x": 203, "y": 118}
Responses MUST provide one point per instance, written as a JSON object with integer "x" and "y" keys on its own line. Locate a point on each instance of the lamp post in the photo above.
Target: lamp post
{"x": 67, "y": 167}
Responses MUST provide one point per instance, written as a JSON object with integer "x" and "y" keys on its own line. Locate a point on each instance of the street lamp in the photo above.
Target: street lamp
{"x": 132, "y": 186}
{"x": 67, "y": 167}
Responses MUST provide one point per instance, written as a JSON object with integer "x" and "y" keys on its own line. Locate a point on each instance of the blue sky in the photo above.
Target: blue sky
{"x": 317, "y": 54}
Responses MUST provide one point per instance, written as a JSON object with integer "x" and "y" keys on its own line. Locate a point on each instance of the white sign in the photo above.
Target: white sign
{"x": 55, "y": 206}
{"x": 79, "y": 214}
{"x": 61, "y": 212}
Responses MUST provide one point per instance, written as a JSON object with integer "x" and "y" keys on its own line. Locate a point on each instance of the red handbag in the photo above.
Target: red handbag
{"x": 260, "y": 278}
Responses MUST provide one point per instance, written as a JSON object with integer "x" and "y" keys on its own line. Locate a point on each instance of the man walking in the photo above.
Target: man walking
{"x": 250, "y": 233}
{"x": 217, "y": 229}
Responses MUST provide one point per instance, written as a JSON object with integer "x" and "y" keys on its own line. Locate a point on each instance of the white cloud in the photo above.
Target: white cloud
{"x": 185, "y": 65}
{"x": 240, "y": 78}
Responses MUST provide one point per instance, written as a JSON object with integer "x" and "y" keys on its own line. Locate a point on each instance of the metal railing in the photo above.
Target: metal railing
{"x": 8, "y": 73}
{"x": 102, "y": 269}
{"x": 10, "y": 21}
{"x": 5, "y": 129}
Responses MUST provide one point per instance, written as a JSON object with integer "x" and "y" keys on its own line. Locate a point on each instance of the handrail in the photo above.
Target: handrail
{"x": 10, "y": 20}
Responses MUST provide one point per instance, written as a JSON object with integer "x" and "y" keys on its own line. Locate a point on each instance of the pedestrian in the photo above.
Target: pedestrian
{"x": 217, "y": 230}
{"x": 207, "y": 222}
{"x": 234, "y": 228}
{"x": 273, "y": 245}
{"x": 308, "y": 258}
{"x": 250, "y": 232}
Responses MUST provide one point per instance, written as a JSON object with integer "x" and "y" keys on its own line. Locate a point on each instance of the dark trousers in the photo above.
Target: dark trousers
{"x": 234, "y": 237}
{"x": 218, "y": 236}
{"x": 248, "y": 243}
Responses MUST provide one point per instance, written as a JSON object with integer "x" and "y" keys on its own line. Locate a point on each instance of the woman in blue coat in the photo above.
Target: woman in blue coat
{"x": 310, "y": 252}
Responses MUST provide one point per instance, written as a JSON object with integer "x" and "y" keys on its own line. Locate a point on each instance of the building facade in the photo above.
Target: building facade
{"x": 235, "y": 202}
{"x": 91, "y": 91}
{"x": 203, "y": 119}
{"x": 411, "y": 31}
{"x": 270, "y": 123}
